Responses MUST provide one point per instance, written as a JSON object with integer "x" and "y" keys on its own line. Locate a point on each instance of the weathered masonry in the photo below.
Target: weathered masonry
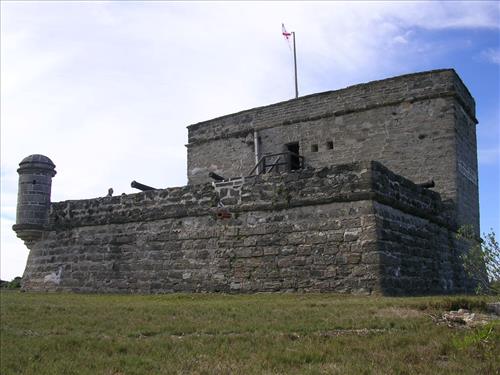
{"x": 421, "y": 126}
{"x": 294, "y": 206}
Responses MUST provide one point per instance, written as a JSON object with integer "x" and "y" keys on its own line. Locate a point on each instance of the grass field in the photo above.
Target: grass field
{"x": 240, "y": 334}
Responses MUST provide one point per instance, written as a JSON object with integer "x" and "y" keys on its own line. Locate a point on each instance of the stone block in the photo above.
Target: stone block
{"x": 351, "y": 235}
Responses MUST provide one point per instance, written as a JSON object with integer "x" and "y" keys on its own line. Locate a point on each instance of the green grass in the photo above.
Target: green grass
{"x": 240, "y": 334}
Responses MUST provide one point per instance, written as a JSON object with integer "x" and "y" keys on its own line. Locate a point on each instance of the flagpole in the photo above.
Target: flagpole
{"x": 295, "y": 66}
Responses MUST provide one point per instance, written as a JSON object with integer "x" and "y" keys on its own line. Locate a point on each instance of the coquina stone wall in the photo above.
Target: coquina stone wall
{"x": 421, "y": 126}
{"x": 356, "y": 228}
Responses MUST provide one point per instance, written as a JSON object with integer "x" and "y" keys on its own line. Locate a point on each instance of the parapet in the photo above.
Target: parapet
{"x": 365, "y": 180}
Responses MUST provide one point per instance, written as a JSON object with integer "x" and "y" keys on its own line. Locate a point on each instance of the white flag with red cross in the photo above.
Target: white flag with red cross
{"x": 286, "y": 34}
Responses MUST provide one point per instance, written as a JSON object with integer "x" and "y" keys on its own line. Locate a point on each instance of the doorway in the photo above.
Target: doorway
{"x": 294, "y": 158}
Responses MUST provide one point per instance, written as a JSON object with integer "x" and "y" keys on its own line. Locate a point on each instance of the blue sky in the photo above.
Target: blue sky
{"x": 106, "y": 89}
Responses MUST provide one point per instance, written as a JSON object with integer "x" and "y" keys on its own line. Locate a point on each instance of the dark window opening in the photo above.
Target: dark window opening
{"x": 294, "y": 157}
{"x": 34, "y": 182}
{"x": 329, "y": 145}
{"x": 314, "y": 148}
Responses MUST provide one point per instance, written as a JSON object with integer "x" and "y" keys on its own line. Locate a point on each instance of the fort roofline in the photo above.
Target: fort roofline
{"x": 468, "y": 104}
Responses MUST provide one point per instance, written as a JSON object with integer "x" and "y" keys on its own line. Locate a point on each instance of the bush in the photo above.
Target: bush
{"x": 14, "y": 284}
{"x": 482, "y": 260}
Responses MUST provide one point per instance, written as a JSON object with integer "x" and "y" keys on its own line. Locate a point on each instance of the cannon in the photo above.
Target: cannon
{"x": 427, "y": 184}
{"x": 215, "y": 176}
{"x": 142, "y": 187}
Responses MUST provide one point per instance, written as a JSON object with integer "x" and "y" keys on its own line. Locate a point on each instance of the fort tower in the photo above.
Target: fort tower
{"x": 33, "y": 199}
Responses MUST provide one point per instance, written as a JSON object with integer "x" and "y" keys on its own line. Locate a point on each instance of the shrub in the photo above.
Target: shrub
{"x": 14, "y": 284}
{"x": 482, "y": 260}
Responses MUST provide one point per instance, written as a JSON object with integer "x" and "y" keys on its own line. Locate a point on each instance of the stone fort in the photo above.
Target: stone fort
{"x": 358, "y": 190}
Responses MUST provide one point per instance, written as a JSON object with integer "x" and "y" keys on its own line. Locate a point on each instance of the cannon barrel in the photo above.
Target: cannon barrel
{"x": 427, "y": 184}
{"x": 138, "y": 185}
{"x": 215, "y": 176}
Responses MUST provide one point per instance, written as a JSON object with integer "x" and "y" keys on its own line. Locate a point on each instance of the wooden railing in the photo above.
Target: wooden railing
{"x": 267, "y": 163}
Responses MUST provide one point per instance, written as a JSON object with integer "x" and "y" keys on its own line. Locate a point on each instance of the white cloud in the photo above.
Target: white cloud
{"x": 492, "y": 55}
{"x": 400, "y": 39}
{"x": 436, "y": 15}
{"x": 106, "y": 89}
